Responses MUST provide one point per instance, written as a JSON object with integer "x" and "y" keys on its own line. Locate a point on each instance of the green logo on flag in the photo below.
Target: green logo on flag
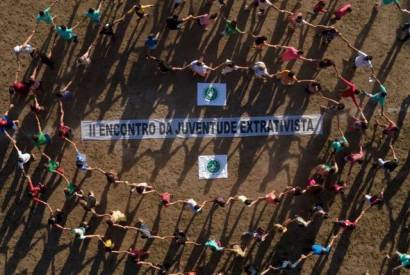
{"x": 210, "y": 93}
{"x": 213, "y": 166}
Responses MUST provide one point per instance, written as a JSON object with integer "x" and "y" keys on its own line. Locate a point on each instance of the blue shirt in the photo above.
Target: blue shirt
{"x": 151, "y": 43}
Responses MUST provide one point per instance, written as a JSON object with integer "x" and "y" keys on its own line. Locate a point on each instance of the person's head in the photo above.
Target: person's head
{"x": 248, "y": 202}
{"x": 63, "y": 27}
{"x": 368, "y": 58}
{"x": 199, "y": 63}
{"x": 213, "y": 16}
{"x": 197, "y": 208}
{"x": 332, "y": 170}
{"x": 364, "y": 125}
{"x": 383, "y": 94}
{"x": 360, "y": 161}
{"x": 35, "y": 138}
{"x": 340, "y": 106}
{"x": 291, "y": 74}
{"x": 175, "y": 17}
{"x": 234, "y": 23}
{"x": 356, "y": 92}
{"x": 349, "y": 9}
{"x": 299, "y": 18}
{"x": 91, "y": 11}
{"x": 322, "y": 4}
{"x": 151, "y": 36}
{"x": 137, "y": 6}
{"x": 300, "y": 52}
{"x": 41, "y": 13}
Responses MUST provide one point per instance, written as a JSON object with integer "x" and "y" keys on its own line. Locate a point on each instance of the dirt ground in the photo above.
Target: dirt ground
{"x": 119, "y": 84}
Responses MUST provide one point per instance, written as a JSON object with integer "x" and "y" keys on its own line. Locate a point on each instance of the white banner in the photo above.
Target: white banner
{"x": 213, "y": 167}
{"x": 201, "y": 127}
{"x": 211, "y": 94}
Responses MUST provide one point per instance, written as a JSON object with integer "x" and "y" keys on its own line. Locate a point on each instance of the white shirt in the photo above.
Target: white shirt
{"x": 27, "y": 49}
{"x": 23, "y": 159}
{"x": 260, "y": 69}
{"x": 264, "y": 5}
{"x": 229, "y": 69}
{"x": 201, "y": 69}
{"x": 192, "y": 204}
{"x": 360, "y": 60}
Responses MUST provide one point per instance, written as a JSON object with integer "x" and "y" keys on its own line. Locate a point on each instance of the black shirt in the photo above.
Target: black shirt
{"x": 173, "y": 23}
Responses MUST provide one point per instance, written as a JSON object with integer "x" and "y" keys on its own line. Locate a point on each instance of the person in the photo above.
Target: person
{"x": 111, "y": 176}
{"x": 198, "y": 67}
{"x": 107, "y": 243}
{"x": 45, "y": 15}
{"x": 79, "y": 232}
{"x": 282, "y": 227}
{"x": 114, "y": 217}
{"x": 404, "y": 260}
{"x": 259, "y": 234}
{"x": 261, "y": 71}
{"x": 313, "y": 86}
{"x": 244, "y": 199}
{"x": 291, "y": 53}
{"x": 107, "y": 28}
{"x": 64, "y": 93}
{"x": 374, "y": 199}
{"x": 165, "y": 199}
{"x": 339, "y": 144}
{"x": 214, "y": 245}
{"x": 286, "y": 77}
{"x": 333, "y": 105}
{"x": 294, "y": 190}
{"x": 174, "y": 23}
{"x": 260, "y": 41}
{"x": 403, "y": 32}
{"x": 231, "y": 28}
{"x": 389, "y": 165}
{"x": 362, "y": 60}
{"x": 379, "y": 96}
{"x": 145, "y": 231}
{"x": 89, "y": 202}
{"x": 358, "y": 122}
{"x": 44, "y": 58}
{"x": 23, "y": 158}
{"x": 85, "y": 59}
{"x": 192, "y": 204}
{"x": 24, "y": 87}
{"x": 6, "y": 123}
{"x": 181, "y": 238}
{"x": 342, "y": 11}
{"x": 390, "y": 129}
{"x": 141, "y": 188}
{"x": 137, "y": 255}
{"x": 229, "y": 66}
{"x": 152, "y": 41}
{"x": 95, "y": 14}
{"x": 63, "y": 131}
{"x": 56, "y": 219}
{"x": 271, "y": 198}
{"x": 353, "y": 158}
{"x": 328, "y": 35}
{"x": 34, "y": 190}
{"x": 326, "y": 169}
{"x": 80, "y": 159}
{"x": 140, "y": 10}
{"x": 24, "y": 48}
{"x": 319, "y": 7}
{"x": 296, "y": 20}
{"x": 351, "y": 89}
{"x": 162, "y": 65}
{"x": 41, "y": 138}
{"x": 319, "y": 250}
{"x": 66, "y": 33}
{"x": 205, "y": 20}
{"x": 52, "y": 165}
{"x": 263, "y": 5}
{"x": 284, "y": 265}
{"x": 348, "y": 224}
{"x": 238, "y": 250}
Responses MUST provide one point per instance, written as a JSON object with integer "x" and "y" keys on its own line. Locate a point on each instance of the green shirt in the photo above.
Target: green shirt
{"x": 405, "y": 260}
{"x": 338, "y": 145}
{"x": 94, "y": 16}
{"x": 230, "y": 28}
{"x": 71, "y": 188}
{"x": 386, "y": 2}
{"x": 66, "y": 34}
{"x": 380, "y": 95}
{"x": 52, "y": 166}
{"x": 47, "y": 17}
{"x": 42, "y": 139}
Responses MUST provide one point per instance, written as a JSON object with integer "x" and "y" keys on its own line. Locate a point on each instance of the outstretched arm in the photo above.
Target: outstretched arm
{"x": 30, "y": 37}
{"x": 348, "y": 43}
{"x": 38, "y": 123}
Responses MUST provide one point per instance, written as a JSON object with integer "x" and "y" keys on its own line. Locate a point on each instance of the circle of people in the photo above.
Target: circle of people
{"x": 316, "y": 182}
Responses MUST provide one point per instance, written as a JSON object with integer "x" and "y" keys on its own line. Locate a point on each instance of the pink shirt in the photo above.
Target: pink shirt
{"x": 342, "y": 11}
{"x": 290, "y": 54}
{"x": 204, "y": 20}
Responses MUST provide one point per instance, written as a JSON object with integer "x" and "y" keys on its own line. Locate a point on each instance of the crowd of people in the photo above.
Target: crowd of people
{"x": 322, "y": 178}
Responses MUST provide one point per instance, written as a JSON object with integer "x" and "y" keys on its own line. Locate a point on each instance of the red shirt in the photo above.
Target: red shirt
{"x": 21, "y": 87}
{"x": 350, "y": 91}
{"x": 290, "y": 54}
{"x": 319, "y": 7}
{"x": 342, "y": 11}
